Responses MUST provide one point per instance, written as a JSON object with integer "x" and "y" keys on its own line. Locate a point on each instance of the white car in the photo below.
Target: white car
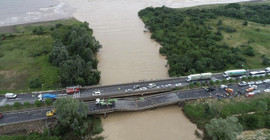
{"x": 11, "y": 95}
{"x": 168, "y": 85}
{"x": 251, "y": 82}
{"x": 152, "y": 85}
{"x": 178, "y": 84}
{"x": 230, "y": 78}
{"x": 266, "y": 90}
{"x": 128, "y": 90}
{"x": 223, "y": 86}
{"x": 243, "y": 83}
{"x": 96, "y": 93}
{"x": 144, "y": 88}
{"x": 266, "y": 81}
{"x": 258, "y": 82}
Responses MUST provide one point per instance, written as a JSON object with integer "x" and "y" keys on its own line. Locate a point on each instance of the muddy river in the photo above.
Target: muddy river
{"x": 166, "y": 123}
{"x": 128, "y": 54}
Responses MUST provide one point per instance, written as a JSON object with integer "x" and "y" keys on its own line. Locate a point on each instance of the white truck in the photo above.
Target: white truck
{"x": 202, "y": 76}
{"x": 239, "y": 72}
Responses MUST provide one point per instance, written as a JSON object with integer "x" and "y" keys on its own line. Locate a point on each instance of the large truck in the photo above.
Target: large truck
{"x": 42, "y": 97}
{"x": 230, "y": 73}
{"x": 72, "y": 90}
{"x": 202, "y": 76}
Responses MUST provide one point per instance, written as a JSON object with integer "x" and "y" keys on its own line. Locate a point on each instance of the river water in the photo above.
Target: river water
{"x": 128, "y": 55}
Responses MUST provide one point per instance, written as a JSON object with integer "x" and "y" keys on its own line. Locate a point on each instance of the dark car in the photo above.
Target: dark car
{"x": 209, "y": 89}
{"x": 1, "y": 115}
{"x": 136, "y": 86}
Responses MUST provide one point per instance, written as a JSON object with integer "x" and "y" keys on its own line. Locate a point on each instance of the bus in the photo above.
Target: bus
{"x": 230, "y": 73}
{"x": 257, "y": 73}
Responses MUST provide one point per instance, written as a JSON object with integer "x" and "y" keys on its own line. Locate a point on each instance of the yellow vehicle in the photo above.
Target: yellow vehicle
{"x": 50, "y": 113}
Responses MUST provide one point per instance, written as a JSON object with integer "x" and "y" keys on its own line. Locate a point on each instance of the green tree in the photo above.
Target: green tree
{"x": 58, "y": 54}
{"x": 17, "y": 104}
{"x": 72, "y": 114}
{"x": 48, "y": 101}
{"x": 27, "y": 104}
{"x": 38, "y": 103}
{"x": 35, "y": 83}
{"x": 261, "y": 106}
{"x": 224, "y": 129}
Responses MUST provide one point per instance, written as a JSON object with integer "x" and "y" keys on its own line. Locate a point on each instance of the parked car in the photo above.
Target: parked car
{"x": 96, "y": 93}
{"x": 1, "y": 115}
{"x": 242, "y": 83}
{"x": 178, "y": 84}
{"x": 152, "y": 85}
{"x": 136, "y": 86}
{"x": 249, "y": 94}
{"x": 251, "y": 82}
{"x": 229, "y": 90}
{"x": 223, "y": 86}
{"x": 250, "y": 89}
{"x": 168, "y": 85}
{"x": 128, "y": 90}
{"x": 266, "y": 90}
{"x": 50, "y": 113}
{"x": 266, "y": 81}
{"x": 257, "y": 91}
{"x": 258, "y": 82}
{"x": 143, "y": 88}
{"x": 11, "y": 95}
{"x": 209, "y": 89}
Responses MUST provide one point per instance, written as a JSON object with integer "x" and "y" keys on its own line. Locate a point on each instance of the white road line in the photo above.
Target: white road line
{"x": 3, "y": 102}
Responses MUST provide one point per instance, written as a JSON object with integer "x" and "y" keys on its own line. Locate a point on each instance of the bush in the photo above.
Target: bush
{"x": 249, "y": 51}
{"x": 16, "y": 104}
{"x": 35, "y": 83}
{"x": 38, "y": 103}
{"x": 245, "y": 23}
{"x": 229, "y": 29}
{"x": 48, "y": 101}
{"x": 38, "y": 31}
{"x": 27, "y": 104}
{"x": 7, "y": 105}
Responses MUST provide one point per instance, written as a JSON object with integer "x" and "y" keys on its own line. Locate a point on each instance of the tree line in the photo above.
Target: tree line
{"x": 74, "y": 52}
{"x": 189, "y": 42}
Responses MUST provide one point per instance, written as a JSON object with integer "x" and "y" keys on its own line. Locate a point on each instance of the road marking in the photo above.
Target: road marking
{"x": 3, "y": 102}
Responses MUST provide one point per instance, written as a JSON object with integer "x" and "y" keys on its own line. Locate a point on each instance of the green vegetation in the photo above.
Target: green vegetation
{"x": 252, "y": 113}
{"x": 211, "y": 39}
{"x": 72, "y": 114}
{"x": 26, "y": 52}
{"x": 74, "y": 52}
{"x": 224, "y": 129}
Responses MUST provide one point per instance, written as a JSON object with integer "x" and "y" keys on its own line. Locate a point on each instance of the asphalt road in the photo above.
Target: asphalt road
{"x": 133, "y": 103}
{"x": 105, "y": 90}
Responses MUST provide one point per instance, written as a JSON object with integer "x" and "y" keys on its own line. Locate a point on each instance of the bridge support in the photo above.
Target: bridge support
{"x": 105, "y": 115}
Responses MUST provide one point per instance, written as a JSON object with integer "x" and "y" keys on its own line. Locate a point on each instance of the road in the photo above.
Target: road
{"x": 111, "y": 90}
{"x": 132, "y": 103}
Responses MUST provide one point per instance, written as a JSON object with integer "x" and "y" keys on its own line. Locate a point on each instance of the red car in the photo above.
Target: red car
{"x": 1, "y": 115}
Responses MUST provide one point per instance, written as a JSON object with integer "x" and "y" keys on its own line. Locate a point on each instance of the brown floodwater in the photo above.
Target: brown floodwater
{"x": 128, "y": 54}
{"x": 166, "y": 123}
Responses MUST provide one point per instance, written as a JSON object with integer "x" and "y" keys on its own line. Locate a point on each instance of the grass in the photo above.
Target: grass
{"x": 24, "y": 56}
{"x": 255, "y": 35}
